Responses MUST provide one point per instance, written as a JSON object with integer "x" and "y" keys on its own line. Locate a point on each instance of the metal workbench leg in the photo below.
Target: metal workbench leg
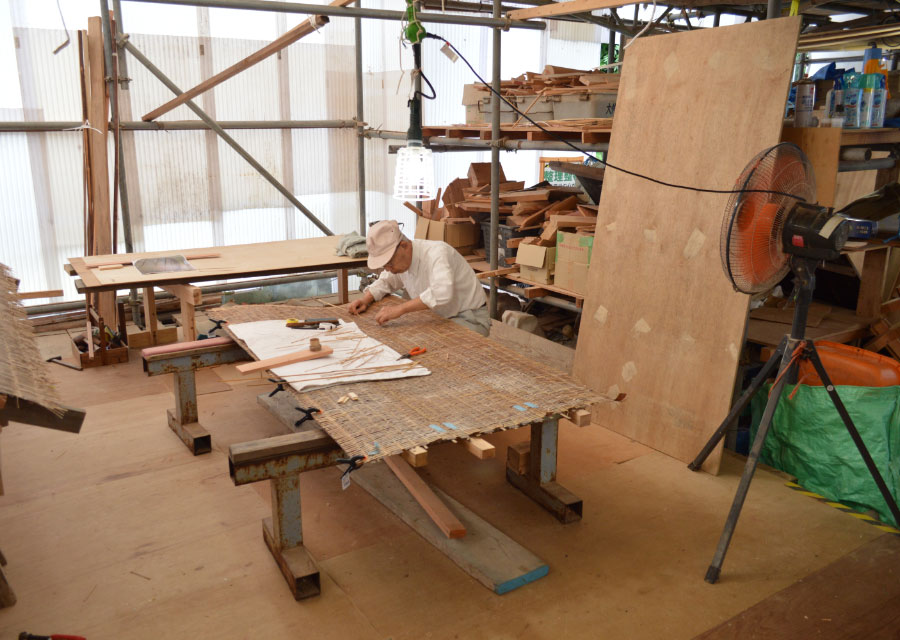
{"x": 283, "y": 533}
{"x": 539, "y": 481}
{"x": 183, "y": 420}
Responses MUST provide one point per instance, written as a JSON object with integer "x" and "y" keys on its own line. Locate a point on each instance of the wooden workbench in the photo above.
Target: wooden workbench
{"x": 476, "y": 386}
{"x": 235, "y": 261}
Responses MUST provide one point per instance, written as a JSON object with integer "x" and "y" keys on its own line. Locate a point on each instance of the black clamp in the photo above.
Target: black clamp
{"x": 217, "y": 324}
{"x": 353, "y": 464}
{"x": 280, "y": 386}
{"x": 307, "y": 415}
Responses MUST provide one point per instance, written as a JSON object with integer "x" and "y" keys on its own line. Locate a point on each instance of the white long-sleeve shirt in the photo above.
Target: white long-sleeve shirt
{"x": 439, "y": 276}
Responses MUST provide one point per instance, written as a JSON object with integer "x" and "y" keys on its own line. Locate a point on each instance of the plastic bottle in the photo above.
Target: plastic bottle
{"x": 803, "y": 103}
{"x": 851, "y": 100}
{"x": 879, "y": 101}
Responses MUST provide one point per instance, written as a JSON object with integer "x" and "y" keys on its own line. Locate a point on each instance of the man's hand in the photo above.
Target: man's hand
{"x": 389, "y": 313}
{"x": 358, "y": 306}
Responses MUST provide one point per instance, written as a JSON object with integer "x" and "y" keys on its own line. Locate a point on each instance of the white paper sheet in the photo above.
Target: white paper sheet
{"x": 356, "y": 357}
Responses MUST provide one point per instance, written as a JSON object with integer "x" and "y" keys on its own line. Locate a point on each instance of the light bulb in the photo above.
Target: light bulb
{"x": 414, "y": 179}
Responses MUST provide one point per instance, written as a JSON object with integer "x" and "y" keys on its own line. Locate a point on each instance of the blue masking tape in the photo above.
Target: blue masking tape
{"x": 450, "y": 425}
{"x": 518, "y": 407}
{"x": 437, "y": 428}
{"x": 531, "y": 404}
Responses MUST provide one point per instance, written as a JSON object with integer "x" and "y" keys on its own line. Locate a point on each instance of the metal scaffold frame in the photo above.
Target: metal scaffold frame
{"x": 498, "y": 22}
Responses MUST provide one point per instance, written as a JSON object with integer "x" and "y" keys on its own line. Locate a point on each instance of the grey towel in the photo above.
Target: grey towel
{"x": 352, "y": 245}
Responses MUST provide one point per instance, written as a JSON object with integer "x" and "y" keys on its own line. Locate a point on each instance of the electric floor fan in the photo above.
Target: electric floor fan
{"x": 771, "y": 227}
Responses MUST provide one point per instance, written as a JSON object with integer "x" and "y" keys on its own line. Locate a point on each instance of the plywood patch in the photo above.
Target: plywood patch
{"x": 717, "y": 96}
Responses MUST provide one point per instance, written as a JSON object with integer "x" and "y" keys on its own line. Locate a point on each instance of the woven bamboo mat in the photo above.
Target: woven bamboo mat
{"x": 23, "y": 373}
{"x": 477, "y": 385}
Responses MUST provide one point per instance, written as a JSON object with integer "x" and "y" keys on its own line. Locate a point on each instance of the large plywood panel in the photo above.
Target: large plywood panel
{"x": 661, "y": 321}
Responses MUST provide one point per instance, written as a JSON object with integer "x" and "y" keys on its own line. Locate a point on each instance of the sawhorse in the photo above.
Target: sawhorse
{"x": 181, "y": 360}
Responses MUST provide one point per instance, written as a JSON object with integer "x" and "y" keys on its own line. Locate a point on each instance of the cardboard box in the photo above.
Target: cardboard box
{"x": 536, "y": 263}
{"x": 462, "y": 236}
{"x": 574, "y": 247}
{"x": 572, "y": 276}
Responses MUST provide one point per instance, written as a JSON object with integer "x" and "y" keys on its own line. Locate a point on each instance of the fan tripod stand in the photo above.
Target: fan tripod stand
{"x": 791, "y": 350}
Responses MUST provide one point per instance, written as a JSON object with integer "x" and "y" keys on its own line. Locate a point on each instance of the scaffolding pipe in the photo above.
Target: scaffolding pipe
{"x": 227, "y": 138}
{"x": 495, "y": 163}
{"x": 352, "y": 12}
{"x": 111, "y": 81}
{"x": 436, "y": 142}
{"x": 123, "y": 64}
{"x": 56, "y": 307}
{"x": 179, "y": 125}
{"x": 845, "y": 166}
{"x": 360, "y": 140}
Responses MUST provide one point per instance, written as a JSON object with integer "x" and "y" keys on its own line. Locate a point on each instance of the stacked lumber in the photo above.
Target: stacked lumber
{"x": 555, "y": 80}
{"x": 886, "y": 328}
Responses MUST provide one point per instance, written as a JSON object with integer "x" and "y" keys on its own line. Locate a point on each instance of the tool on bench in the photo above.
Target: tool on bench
{"x": 55, "y": 636}
{"x": 353, "y": 464}
{"x": 417, "y": 351}
{"x": 307, "y": 414}
{"x": 209, "y": 334}
{"x": 309, "y": 323}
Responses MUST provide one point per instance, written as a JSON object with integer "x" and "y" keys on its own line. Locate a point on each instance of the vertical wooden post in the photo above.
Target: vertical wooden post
{"x": 188, "y": 321}
{"x": 150, "y": 314}
{"x": 98, "y": 116}
{"x": 343, "y": 293}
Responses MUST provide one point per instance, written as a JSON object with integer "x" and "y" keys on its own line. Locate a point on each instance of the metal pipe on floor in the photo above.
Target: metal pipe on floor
{"x": 360, "y": 140}
{"x": 45, "y": 309}
{"x": 495, "y": 163}
{"x": 352, "y": 12}
{"x": 180, "y": 125}
{"x": 133, "y": 50}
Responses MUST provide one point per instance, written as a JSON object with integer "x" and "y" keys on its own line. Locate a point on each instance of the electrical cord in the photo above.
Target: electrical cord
{"x": 595, "y": 158}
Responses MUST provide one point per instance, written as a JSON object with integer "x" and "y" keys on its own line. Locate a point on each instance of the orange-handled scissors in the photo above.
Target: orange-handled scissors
{"x": 413, "y": 352}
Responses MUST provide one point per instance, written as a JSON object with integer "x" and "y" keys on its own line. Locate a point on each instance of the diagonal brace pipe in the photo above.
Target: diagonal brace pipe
{"x": 140, "y": 57}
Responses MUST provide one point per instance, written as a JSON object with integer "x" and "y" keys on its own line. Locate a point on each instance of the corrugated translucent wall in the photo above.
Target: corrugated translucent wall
{"x": 188, "y": 188}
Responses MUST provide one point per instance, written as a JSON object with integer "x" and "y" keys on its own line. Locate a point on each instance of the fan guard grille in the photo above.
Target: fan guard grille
{"x": 750, "y": 242}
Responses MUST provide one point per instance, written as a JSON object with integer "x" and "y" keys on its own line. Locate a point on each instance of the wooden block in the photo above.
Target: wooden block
{"x": 416, "y": 210}
{"x": 31, "y": 295}
{"x": 579, "y": 417}
{"x": 568, "y": 222}
{"x": 184, "y": 292}
{"x": 480, "y": 174}
{"x": 416, "y": 457}
{"x": 142, "y": 339}
{"x": 280, "y": 361}
{"x": 497, "y": 272}
{"x": 448, "y": 523}
{"x": 534, "y": 292}
{"x": 518, "y": 457}
{"x": 480, "y": 448}
{"x": 454, "y": 191}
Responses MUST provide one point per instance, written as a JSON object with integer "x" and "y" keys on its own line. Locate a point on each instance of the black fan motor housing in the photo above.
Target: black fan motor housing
{"x": 812, "y": 231}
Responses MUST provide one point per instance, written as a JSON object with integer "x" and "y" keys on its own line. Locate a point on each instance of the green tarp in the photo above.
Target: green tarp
{"x": 809, "y": 441}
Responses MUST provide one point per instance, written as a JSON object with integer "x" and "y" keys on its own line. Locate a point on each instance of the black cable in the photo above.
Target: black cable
{"x": 430, "y": 86}
{"x": 595, "y": 158}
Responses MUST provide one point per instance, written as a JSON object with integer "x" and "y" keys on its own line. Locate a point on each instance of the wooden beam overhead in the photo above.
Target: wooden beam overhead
{"x": 565, "y": 8}
{"x": 303, "y": 29}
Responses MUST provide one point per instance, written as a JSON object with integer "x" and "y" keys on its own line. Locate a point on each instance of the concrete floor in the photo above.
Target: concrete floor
{"x": 120, "y": 532}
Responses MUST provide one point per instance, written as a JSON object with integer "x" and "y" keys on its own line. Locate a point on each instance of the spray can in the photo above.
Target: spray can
{"x": 803, "y": 103}
{"x": 879, "y": 101}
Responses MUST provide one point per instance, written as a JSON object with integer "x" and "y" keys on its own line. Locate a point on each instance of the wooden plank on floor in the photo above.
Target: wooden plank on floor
{"x": 668, "y": 327}
{"x": 485, "y": 553}
{"x": 439, "y": 513}
{"x": 857, "y": 596}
